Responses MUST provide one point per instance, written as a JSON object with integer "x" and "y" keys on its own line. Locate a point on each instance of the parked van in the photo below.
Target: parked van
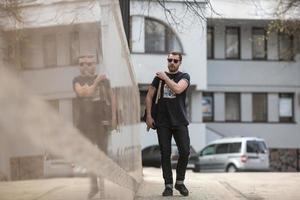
{"x": 235, "y": 154}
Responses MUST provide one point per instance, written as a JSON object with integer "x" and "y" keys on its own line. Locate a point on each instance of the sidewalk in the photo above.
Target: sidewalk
{"x": 225, "y": 186}
{"x": 153, "y": 186}
{"x": 202, "y": 186}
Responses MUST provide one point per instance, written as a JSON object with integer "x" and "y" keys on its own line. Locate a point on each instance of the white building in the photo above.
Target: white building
{"x": 152, "y": 38}
{"x": 253, "y": 77}
{"x": 248, "y": 81}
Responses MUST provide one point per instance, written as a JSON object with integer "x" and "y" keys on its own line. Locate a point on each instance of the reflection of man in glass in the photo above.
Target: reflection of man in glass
{"x": 93, "y": 118}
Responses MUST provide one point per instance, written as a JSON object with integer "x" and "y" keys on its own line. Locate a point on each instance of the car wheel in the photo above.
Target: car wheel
{"x": 231, "y": 168}
{"x": 196, "y": 169}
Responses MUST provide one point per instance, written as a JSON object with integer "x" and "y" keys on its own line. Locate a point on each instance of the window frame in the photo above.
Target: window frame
{"x": 209, "y": 119}
{"x": 239, "y": 42}
{"x": 287, "y": 119}
{"x": 167, "y": 31}
{"x": 239, "y": 106}
{"x": 267, "y": 114}
{"x": 73, "y": 36}
{"x": 291, "y": 37}
{"x": 212, "y": 31}
{"x": 265, "y": 43}
{"x": 45, "y": 40}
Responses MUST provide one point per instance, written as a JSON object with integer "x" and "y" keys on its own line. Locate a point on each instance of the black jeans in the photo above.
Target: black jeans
{"x": 182, "y": 139}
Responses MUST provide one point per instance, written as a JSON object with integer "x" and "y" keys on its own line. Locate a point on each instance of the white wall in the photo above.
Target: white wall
{"x": 276, "y": 135}
{"x": 273, "y": 75}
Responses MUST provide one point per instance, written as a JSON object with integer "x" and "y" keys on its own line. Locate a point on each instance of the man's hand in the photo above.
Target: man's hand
{"x": 162, "y": 75}
{"x": 100, "y": 78}
{"x": 150, "y": 121}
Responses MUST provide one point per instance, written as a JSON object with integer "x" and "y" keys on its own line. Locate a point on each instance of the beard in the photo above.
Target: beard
{"x": 172, "y": 68}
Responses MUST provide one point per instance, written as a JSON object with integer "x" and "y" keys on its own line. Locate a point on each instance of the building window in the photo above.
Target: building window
{"x": 286, "y": 108}
{"x": 159, "y": 38}
{"x": 259, "y": 107}
{"x": 285, "y": 47}
{"x": 232, "y": 42}
{"x": 49, "y": 50}
{"x": 74, "y": 47}
{"x": 27, "y": 48}
{"x": 233, "y": 106}
{"x": 210, "y": 42}
{"x": 208, "y": 107}
{"x": 259, "y": 44}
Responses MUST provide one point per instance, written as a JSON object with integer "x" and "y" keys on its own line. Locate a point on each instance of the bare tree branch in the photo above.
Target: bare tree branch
{"x": 195, "y": 8}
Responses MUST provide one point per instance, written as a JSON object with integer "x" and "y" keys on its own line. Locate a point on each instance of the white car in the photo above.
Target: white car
{"x": 235, "y": 154}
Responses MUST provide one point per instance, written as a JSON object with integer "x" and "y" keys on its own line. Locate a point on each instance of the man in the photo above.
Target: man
{"x": 171, "y": 121}
{"x": 92, "y": 103}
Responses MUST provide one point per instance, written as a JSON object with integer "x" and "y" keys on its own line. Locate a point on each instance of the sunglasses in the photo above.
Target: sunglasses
{"x": 173, "y": 60}
{"x": 89, "y": 64}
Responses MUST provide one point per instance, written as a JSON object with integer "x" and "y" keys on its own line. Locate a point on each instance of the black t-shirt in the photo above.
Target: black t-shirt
{"x": 171, "y": 106}
{"x": 97, "y": 107}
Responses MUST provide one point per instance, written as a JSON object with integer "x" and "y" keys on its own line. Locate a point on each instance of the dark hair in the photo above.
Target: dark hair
{"x": 177, "y": 54}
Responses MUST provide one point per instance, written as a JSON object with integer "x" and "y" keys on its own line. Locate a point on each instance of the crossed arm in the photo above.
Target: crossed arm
{"x": 178, "y": 88}
{"x": 86, "y": 90}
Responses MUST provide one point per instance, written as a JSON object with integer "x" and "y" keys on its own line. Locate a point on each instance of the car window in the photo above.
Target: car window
{"x": 235, "y": 147}
{"x": 256, "y": 147}
{"x": 222, "y": 148}
{"x": 147, "y": 149}
{"x": 208, "y": 150}
{"x": 251, "y": 147}
{"x": 262, "y": 147}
